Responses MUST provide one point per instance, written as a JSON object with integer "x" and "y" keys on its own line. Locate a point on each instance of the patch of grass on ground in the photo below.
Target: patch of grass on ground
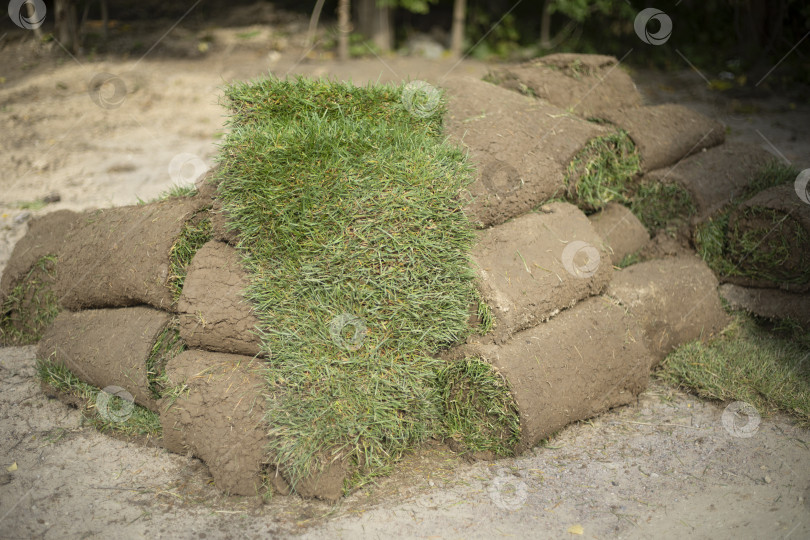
{"x": 30, "y": 306}
{"x": 659, "y": 205}
{"x": 629, "y": 260}
{"x": 36, "y": 204}
{"x": 765, "y": 365}
{"x": 349, "y": 217}
{"x": 141, "y": 421}
{"x": 600, "y": 172}
{"x": 196, "y": 232}
{"x": 481, "y": 412}
{"x": 177, "y": 191}
{"x": 774, "y": 173}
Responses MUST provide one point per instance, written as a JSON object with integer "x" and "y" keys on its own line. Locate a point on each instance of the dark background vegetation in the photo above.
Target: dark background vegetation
{"x": 737, "y": 40}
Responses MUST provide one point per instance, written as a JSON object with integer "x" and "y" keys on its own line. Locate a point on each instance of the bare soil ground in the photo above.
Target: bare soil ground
{"x": 667, "y": 466}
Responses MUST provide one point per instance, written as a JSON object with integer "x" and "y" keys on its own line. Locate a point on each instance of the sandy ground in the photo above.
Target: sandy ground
{"x": 669, "y": 466}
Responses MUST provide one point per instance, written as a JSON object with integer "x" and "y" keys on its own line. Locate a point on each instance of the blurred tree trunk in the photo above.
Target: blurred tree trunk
{"x": 66, "y": 24}
{"x": 760, "y": 25}
{"x": 375, "y": 23}
{"x": 457, "y": 32}
{"x": 33, "y": 15}
{"x": 344, "y": 28}
{"x": 545, "y": 26}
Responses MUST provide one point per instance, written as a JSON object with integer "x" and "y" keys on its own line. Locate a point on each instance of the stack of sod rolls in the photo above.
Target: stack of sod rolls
{"x": 368, "y": 268}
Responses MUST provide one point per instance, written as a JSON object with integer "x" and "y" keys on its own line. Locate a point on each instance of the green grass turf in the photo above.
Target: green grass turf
{"x": 753, "y": 361}
{"x": 659, "y": 206}
{"x": 602, "y": 172}
{"x": 480, "y": 411}
{"x": 196, "y": 232}
{"x": 349, "y": 218}
{"x": 167, "y": 345}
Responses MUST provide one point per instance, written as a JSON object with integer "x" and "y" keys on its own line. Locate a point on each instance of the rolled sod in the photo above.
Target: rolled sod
{"x": 218, "y": 415}
{"x": 699, "y": 185}
{"x": 582, "y": 362}
{"x": 536, "y": 265}
{"x": 212, "y": 310}
{"x": 527, "y": 152}
{"x": 124, "y": 347}
{"x": 29, "y": 300}
{"x": 768, "y": 241}
{"x": 768, "y": 303}
{"x": 621, "y": 230}
{"x": 130, "y": 255}
{"x": 29, "y": 306}
{"x": 666, "y": 133}
{"x": 45, "y": 236}
{"x": 675, "y": 301}
{"x": 586, "y": 84}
